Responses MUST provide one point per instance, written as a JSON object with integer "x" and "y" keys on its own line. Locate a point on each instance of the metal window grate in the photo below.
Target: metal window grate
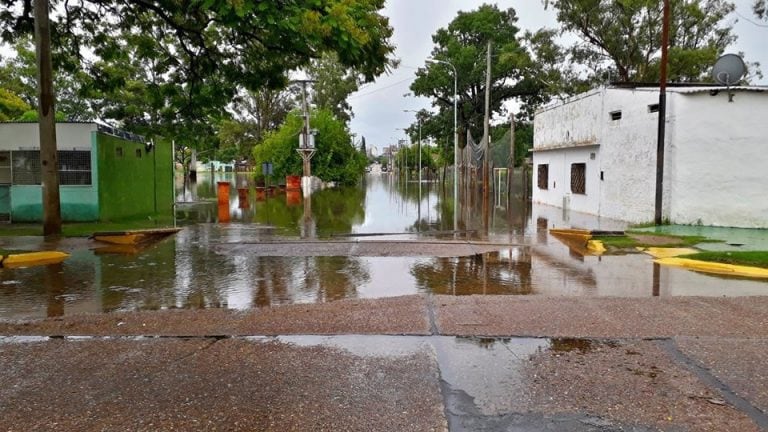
{"x": 74, "y": 167}
{"x": 5, "y": 167}
{"x": 26, "y": 167}
{"x": 579, "y": 178}
{"x": 543, "y": 176}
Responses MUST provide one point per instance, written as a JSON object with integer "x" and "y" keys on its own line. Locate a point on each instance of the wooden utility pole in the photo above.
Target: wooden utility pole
{"x": 47, "y": 122}
{"x": 487, "y": 137}
{"x": 662, "y": 116}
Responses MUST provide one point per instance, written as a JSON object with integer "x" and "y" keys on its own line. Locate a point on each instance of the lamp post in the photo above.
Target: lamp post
{"x": 455, "y": 142}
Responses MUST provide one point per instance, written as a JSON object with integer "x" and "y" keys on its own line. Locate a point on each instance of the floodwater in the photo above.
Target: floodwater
{"x": 262, "y": 256}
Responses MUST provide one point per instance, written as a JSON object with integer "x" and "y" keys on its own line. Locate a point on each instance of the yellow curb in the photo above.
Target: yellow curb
{"x": 596, "y": 247}
{"x": 715, "y": 267}
{"x": 34, "y": 258}
{"x": 660, "y": 252}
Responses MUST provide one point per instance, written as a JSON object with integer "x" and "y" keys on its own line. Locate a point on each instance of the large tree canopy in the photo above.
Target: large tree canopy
{"x": 623, "y": 37}
{"x": 176, "y": 61}
{"x": 527, "y": 67}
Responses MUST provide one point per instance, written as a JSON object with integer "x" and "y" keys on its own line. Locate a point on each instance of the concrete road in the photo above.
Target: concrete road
{"x": 415, "y": 363}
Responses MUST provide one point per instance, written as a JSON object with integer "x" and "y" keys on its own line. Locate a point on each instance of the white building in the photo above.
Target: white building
{"x": 596, "y": 153}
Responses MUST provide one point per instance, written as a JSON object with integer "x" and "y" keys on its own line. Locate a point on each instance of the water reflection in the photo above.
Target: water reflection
{"x": 191, "y": 271}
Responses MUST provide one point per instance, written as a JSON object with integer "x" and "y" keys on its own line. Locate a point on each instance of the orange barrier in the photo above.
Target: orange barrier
{"x": 292, "y": 182}
{"x": 293, "y": 197}
{"x": 223, "y": 200}
{"x": 261, "y": 193}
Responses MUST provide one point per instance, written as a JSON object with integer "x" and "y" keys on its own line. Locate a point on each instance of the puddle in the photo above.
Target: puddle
{"x": 209, "y": 265}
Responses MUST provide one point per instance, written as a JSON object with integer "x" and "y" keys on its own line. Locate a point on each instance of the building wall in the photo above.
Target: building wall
{"x": 719, "y": 153}
{"x": 621, "y": 161}
{"x": 136, "y": 183}
{"x": 79, "y": 203}
{"x": 628, "y": 156}
{"x": 26, "y": 136}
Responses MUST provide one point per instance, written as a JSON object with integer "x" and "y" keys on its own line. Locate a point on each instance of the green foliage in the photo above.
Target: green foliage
{"x": 746, "y": 258}
{"x": 171, "y": 68}
{"x": 760, "y": 7}
{"x": 624, "y": 37}
{"x": 11, "y": 106}
{"x": 18, "y": 73}
{"x": 336, "y": 159}
{"x": 33, "y": 116}
{"x": 527, "y": 67}
{"x": 333, "y": 84}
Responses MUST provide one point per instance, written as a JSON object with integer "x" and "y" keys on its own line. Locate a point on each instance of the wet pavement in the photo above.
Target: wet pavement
{"x": 366, "y": 382}
{"x": 372, "y": 315}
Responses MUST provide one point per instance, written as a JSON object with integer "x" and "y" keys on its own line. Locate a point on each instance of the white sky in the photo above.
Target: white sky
{"x": 379, "y": 106}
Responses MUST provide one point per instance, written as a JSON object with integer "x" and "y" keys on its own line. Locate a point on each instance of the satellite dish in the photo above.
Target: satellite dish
{"x": 728, "y": 70}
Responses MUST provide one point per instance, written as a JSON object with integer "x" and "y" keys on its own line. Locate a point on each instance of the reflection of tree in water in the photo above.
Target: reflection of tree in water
{"x": 486, "y": 273}
{"x": 334, "y": 211}
{"x": 281, "y": 280}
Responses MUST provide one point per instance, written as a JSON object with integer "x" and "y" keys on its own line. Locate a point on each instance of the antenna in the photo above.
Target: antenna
{"x": 729, "y": 70}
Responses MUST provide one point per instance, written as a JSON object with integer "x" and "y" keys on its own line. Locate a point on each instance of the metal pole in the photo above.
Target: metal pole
{"x": 662, "y": 116}
{"x": 487, "y": 139}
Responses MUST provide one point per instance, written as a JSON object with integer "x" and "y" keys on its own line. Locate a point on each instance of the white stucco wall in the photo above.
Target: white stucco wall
{"x": 624, "y": 153}
{"x": 719, "y": 156}
{"x": 628, "y": 156}
{"x": 26, "y": 136}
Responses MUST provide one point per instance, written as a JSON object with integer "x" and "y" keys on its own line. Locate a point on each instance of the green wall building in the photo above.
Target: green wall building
{"x": 105, "y": 174}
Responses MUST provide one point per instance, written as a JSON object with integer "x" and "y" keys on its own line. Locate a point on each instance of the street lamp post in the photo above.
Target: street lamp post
{"x": 455, "y": 142}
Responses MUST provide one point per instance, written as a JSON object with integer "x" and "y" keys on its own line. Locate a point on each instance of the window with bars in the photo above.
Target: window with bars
{"x": 26, "y": 167}
{"x": 74, "y": 167}
{"x": 579, "y": 178}
{"x": 543, "y": 176}
{"x": 5, "y": 167}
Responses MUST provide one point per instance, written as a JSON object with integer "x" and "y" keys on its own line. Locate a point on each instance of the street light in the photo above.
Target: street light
{"x": 455, "y": 142}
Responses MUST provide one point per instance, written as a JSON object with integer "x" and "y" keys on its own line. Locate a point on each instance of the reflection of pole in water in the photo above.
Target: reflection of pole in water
{"x": 656, "y": 280}
{"x": 308, "y": 223}
{"x": 54, "y": 285}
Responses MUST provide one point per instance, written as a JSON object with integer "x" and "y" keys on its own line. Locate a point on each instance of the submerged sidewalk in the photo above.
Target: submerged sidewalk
{"x": 415, "y": 363}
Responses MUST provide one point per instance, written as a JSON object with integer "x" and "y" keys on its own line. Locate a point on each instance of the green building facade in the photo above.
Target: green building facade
{"x": 105, "y": 174}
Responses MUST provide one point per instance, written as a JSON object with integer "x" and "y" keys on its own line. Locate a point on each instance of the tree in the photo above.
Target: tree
{"x": 17, "y": 74}
{"x": 760, "y": 7}
{"x": 11, "y": 106}
{"x": 336, "y": 159}
{"x": 254, "y": 114}
{"x": 333, "y": 84}
{"x": 623, "y": 37}
{"x": 200, "y": 52}
{"x": 516, "y": 72}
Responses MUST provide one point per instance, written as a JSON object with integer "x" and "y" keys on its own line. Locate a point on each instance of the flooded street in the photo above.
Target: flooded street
{"x": 373, "y": 241}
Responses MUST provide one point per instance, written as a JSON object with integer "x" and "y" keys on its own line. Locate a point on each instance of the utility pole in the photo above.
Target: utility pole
{"x": 307, "y": 142}
{"x": 660, "y": 143}
{"x": 47, "y": 122}
{"x": 511, "y": 167}
{"x": 487, "y": 137}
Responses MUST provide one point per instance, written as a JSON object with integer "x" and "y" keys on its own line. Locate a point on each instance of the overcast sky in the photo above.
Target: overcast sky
{"x": 379, "y": 106}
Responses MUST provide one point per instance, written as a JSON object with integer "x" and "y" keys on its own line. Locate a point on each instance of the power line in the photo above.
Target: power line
{"x": 749, "y": 20}
{"x": 383, "y": 88}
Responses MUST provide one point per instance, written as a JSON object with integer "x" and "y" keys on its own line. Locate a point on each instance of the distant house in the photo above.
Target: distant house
{"x": 596, "y": 153}
{"x": 105, "y": 174}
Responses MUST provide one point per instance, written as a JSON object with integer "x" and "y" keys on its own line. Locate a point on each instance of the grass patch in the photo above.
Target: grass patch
{"x": 85, "y": 229}
{"x": 634, "y": 239}
{"x": 745, "y": 258}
